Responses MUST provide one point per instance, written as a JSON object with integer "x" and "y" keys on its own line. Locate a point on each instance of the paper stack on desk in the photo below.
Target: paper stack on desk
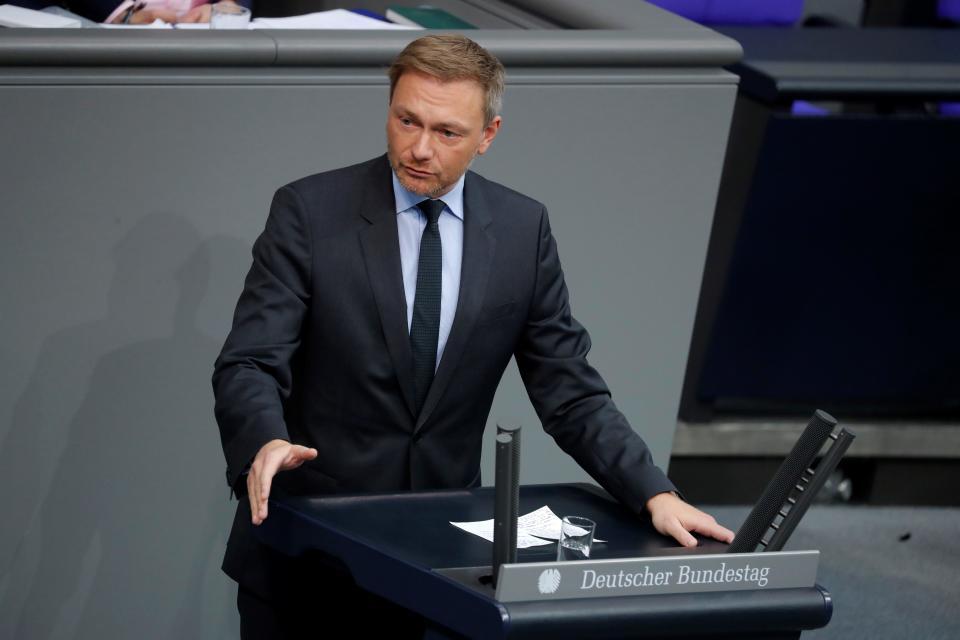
{"x": 534, "y": 529}
{"x": 332, "y": 19}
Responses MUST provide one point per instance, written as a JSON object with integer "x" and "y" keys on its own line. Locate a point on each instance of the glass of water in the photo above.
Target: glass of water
{"x": 576, "y": 538}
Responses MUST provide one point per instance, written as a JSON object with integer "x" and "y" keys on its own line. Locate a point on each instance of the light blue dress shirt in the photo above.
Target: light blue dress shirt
{"x": 410, "y": 225}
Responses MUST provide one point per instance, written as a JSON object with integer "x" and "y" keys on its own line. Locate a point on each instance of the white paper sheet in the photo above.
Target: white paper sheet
{"x": 484, "y": 529}
{"x": 156, "y": 24}
{"x": 201, "y": 26}
{"x": 332, "y": 19}
{"x": 535, "y": 520}
{"x": 536, "y": 528}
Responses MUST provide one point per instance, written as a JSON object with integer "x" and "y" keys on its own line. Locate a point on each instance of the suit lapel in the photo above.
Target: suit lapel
{"x": 381, "y": 252}
{"x": 478, "y": 251}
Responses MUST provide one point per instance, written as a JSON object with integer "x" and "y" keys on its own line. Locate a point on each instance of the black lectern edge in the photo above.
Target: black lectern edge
{"x": 435, "y": 596}
{"x": 778, "y": 613}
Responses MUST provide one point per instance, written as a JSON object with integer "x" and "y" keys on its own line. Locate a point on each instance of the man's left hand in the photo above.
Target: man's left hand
{"x": 674, "y": 517}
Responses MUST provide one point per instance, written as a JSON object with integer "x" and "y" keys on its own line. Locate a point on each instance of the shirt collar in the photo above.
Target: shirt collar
{"x": 407, "y": 200}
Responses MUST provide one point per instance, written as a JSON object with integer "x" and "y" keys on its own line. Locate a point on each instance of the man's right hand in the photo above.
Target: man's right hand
{"x": 276, "y": 455}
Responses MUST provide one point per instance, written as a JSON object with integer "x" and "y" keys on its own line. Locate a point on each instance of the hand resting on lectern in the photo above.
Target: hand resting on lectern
{"x": 674, "y": 517}
{"x": 275, "y": 456}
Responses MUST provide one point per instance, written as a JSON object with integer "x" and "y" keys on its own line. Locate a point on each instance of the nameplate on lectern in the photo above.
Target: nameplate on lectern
{"x": 659, "y": 575}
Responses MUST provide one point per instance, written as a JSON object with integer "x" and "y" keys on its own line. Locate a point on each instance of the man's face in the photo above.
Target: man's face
{"x": 434, "y": 131}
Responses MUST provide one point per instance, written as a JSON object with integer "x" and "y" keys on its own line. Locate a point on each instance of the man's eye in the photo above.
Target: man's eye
{"x": 406, "y": 122}
{"x": 449, "y": 134}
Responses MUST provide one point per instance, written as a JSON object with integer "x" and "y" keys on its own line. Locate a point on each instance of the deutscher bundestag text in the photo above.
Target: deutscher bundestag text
{"x": 684, "y": 575}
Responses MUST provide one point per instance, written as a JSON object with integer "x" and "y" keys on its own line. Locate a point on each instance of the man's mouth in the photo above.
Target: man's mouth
{"x": 417, "y": 173}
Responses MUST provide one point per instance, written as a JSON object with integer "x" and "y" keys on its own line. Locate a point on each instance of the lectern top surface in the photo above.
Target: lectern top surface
{"x": 415, "y": 527}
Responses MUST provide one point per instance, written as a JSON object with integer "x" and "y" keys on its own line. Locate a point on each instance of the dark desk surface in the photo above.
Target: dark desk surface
{"x": 839, "y": 63}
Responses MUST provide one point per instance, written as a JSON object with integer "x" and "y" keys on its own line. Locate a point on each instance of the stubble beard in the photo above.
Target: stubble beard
{"x": 436, "y": 191}
{"x": 412, "y": 188}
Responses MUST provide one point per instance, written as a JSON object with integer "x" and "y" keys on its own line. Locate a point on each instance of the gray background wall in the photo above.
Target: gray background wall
{"x": 128, "y": 209}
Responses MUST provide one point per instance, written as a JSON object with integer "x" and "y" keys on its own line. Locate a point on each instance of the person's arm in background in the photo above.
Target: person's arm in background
{"x": 109, "y": 11}
{"x": 145, "y": 12}
{"x": 253, "y": 376}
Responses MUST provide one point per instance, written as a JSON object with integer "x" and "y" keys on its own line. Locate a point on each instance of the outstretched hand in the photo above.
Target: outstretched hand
{"x": 674, "y": 517}
{"x": 275, "y": 456}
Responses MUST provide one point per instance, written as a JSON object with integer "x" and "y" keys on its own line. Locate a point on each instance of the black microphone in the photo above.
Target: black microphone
{"x": 513, "y": 484}
{"x": 506, "y": 498}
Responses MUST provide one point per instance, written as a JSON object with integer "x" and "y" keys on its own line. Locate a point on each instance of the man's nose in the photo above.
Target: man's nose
{"x": 423, "y": 147}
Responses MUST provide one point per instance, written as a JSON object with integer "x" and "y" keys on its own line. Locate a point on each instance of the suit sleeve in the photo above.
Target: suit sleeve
{"x": 252, "y": 376}
{"x": 569, "y": 396}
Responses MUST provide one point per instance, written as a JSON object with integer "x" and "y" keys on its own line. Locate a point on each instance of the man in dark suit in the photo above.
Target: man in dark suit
{"x": 384, "y": 302}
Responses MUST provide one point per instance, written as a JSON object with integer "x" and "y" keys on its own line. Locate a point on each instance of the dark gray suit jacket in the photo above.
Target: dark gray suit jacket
{"x": 319, "y": 352}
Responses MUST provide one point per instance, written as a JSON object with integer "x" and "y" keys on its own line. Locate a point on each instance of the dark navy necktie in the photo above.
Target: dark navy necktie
{"x": 425, "y": 327}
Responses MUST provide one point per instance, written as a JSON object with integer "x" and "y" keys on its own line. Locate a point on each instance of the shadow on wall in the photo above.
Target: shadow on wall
{"x": 112, "y": 462}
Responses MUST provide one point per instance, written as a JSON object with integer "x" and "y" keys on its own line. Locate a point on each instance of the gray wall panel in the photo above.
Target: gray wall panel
{"x": 130, "y": 214}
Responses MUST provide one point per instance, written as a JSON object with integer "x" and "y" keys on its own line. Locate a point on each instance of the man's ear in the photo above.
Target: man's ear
{"x": 489, "y": 133}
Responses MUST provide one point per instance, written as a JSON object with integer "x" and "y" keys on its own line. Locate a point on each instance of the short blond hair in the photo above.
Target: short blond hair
{"x": 453, "y": 57}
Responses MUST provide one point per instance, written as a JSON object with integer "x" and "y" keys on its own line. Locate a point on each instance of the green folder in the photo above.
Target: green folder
{"x": 427, "y": 17}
